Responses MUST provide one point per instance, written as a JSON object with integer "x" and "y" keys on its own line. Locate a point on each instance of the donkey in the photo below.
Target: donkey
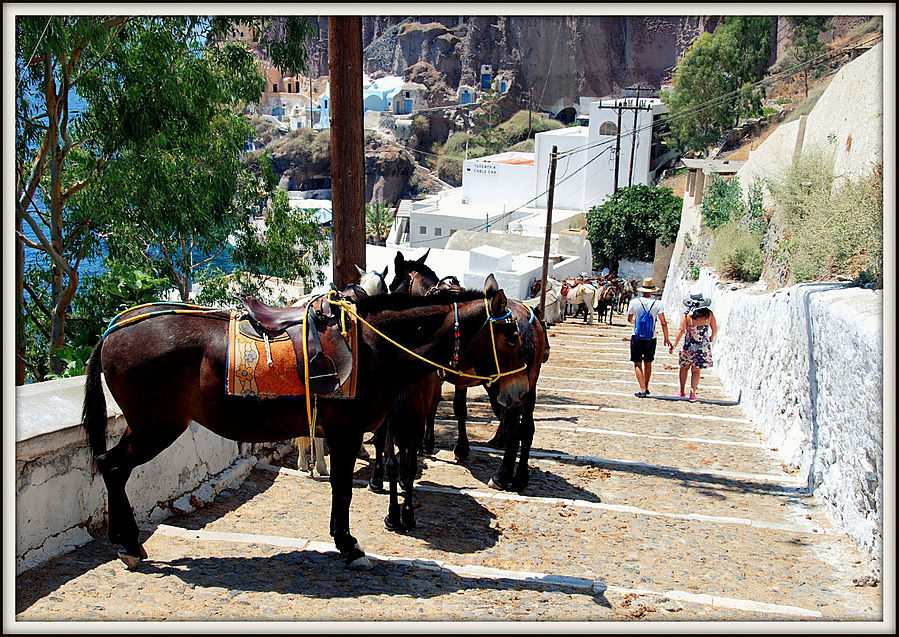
{"x": 516, "y": 424}
{"x": 167, "y": 366}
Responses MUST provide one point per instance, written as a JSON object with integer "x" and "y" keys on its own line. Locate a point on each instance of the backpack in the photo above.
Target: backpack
{"x": 645, "y": 326}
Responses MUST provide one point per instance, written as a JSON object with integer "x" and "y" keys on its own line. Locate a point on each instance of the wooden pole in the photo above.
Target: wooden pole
{"x": 549, "y": 225}
{"x": 617, "y": 149}
{"x": 630, "y": 177}
{"x": 347, "y": 156}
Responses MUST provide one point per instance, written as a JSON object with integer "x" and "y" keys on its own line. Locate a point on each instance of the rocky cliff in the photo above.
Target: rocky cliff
{"x": 556, "y": 59}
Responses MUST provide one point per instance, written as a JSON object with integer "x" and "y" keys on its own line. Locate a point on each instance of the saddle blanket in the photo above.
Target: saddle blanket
{"x": 272, "y": 371}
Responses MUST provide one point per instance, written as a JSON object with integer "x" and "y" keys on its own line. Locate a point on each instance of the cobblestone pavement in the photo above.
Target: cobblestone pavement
{"x": 637, "y": 509}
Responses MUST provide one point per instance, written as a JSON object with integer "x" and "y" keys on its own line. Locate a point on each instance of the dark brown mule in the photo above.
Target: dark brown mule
{"x": 516, "y": 426}
{"x": 167, "y": 370}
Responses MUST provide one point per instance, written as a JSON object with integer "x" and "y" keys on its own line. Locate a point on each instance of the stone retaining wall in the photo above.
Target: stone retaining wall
{"x": 807, "y": 361}
{"x": 61, "y": 499}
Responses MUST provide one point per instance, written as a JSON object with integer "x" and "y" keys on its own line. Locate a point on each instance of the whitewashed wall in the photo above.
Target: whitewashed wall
{"x": 807, "y": 361}
{"x": 61, "y": 499}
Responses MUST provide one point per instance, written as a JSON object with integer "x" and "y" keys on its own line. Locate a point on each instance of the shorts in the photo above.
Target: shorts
{"x": 642, "y": 351}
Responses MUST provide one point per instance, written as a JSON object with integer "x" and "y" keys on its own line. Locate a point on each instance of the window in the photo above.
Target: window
{"x": 407, "y": 94}
{"x": 438, "y": 232}
{"x": 608, "y": 128}
{"x": 422, "y": 230}
{"x": 274, "y": 88}
{"x": 452, "y": 231}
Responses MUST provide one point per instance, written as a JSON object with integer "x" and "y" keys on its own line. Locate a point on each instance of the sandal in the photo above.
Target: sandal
{"x": 681, "y": 394}
{"x": 692, "y": 398}
{"x": 640, "y": 394}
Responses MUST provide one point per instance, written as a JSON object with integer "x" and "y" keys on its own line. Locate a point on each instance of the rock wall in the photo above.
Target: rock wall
{"x": 555, "y": 58}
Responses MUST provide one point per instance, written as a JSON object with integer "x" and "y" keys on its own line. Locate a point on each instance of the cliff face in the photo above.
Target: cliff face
{"x": 556, "y": 59}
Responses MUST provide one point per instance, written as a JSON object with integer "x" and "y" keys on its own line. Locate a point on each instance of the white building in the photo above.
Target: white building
{"x": 585, "y": 171}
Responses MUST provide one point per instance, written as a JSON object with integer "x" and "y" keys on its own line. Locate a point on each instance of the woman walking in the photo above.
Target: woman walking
{"x": 698, "y": 329}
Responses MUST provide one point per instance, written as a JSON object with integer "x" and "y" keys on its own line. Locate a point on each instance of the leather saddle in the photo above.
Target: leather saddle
{"x": 330, "y": 356}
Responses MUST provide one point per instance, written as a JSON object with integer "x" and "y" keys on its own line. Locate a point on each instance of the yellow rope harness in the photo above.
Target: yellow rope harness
{"x": 333, "y": 299}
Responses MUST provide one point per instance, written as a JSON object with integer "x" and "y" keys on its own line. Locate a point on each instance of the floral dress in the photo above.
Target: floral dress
{"x": 697, "y": 348}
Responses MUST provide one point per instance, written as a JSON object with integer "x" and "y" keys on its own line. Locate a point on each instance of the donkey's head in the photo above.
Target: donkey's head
{"x": 496, "y": 349}
{"x": 412, "y": 276}
{"x": 373, "y": 282}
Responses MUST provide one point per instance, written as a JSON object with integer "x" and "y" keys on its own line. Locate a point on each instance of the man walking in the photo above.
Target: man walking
{"x": 644, "y": 312}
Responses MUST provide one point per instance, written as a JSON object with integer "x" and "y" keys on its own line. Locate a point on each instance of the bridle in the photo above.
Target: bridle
{"x": 346, "y": 306}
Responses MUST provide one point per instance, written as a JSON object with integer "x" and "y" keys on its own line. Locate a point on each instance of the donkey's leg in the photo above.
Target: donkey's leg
{"x": 408, "y": 471}
{"x": 134, "y": 449}
{"x": 526, "y": 436}
{"x": 502, "y": 479}
{"x": 460, "y": 410}
{"x": 393, "y": 521}
{"x": 304, "y": 447}
{"x": 376, "y": 481}
{"x": 499, "y": 438}
{"x": 344, "y": 443}
{"x": 321, "y": 465}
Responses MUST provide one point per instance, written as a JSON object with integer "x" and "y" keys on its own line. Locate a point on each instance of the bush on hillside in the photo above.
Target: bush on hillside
{"x": 736, "y": 252}
{"x": 832, "y": 226}
{"x": 449, "y": 169}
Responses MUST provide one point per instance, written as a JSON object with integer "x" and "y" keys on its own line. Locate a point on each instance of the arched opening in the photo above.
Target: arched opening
{"x": 567, "y": 115}
{"x": 608, "y": 128}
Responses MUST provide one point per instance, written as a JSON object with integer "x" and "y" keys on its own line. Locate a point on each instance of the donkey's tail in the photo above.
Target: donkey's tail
{"x": 93, "y": 415}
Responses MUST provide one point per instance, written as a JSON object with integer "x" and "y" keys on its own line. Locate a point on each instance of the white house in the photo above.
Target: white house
{"x": 585, "y": 171}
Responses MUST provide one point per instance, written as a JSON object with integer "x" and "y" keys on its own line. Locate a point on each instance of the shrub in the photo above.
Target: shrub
{"x": 736, "y": 252}
{"x": 449, "y": 170}
{"x": 834, "y": 227}
{"x": 721, "y": 202}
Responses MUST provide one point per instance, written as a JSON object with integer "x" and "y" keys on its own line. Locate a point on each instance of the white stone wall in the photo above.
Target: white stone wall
{"x": 807, "y": 362}
{"x": 61, "y": 499}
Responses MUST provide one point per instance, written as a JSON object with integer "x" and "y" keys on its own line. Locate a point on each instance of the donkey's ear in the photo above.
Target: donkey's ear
{"x": 498, "y": 303}
{"x": 490, "y": 285}
{"x": 384, "y": 273}
{"x": 398, "y": 260}
{"x": 360, "y": 271}
{"x": 422, "y": 258}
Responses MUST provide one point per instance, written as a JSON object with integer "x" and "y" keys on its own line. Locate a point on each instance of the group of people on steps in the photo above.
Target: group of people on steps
{"x": 697, "y": 330}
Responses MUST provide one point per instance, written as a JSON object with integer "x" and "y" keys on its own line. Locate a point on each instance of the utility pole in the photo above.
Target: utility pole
{"x": 310, "y": 102}
{"x": 617, "y": 148}
{"x": 630, "y": 177}
{"x": 347, "y": 157}
{"x": 549, "y": 224}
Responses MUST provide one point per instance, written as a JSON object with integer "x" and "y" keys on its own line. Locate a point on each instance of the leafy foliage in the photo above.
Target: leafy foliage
{"x": 805, "y": 45}
{"x": 736, "y": 252}
{"x": 293, "y": 246}
{"x": 379, "y": 217}
{"x": 161, "y": 106}
{"x": 831, "y": 226}
{"x": 627, "y": 225}
{"x": 712, "y": 85}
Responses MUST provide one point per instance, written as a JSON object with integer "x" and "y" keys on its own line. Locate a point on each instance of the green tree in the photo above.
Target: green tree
{"x": 379, "y": 217}
{"x": 290, "y": 245}
{"x": 61, "y": 152}
{"x": 713, "y": 83}
{"x": 627, "y": 225}
{"x": 805, "y": 46}
{"x": 178, "y": 188}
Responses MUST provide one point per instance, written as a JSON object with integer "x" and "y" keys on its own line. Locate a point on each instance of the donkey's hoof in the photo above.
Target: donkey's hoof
{"x": 393, "y": 525}
{"x": 360, "y": 564}
{"x": 494, "y": 485}
{"x": 132, "y": 561}
{"x": 376, "y": 486}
